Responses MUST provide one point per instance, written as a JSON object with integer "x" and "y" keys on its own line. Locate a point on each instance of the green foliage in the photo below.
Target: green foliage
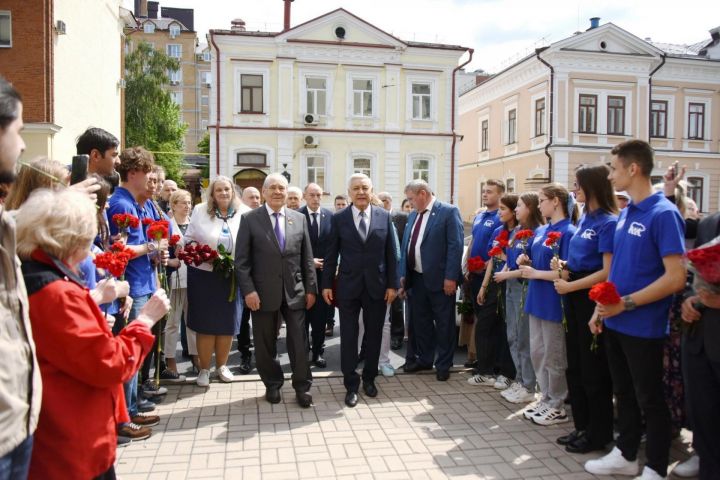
{"x": 152, "y": 118}
{"x": 204, "y": 147}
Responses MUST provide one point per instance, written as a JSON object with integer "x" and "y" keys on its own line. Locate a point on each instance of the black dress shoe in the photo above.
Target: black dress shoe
{"x": 370, "y": 389}
{"x": 329, "y": 330}
{"x": 396, "y": 343}
{"x": 245, "y": 366}
{"x": 472, "y": 364}
{"x": 304, "y": 399}
{"x": 414, "y": 367}
{"x": 272, "y": 395}
{"x": 319, "y": 361}
{"x": 582, "y": 445}
{"x": 570, "y": 437}
{"x": 351, "y": 399}
{"x": 442, "y": 376}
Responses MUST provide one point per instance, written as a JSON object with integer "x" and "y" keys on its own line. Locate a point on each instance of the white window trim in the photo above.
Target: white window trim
{"x": 207, "y": 56}
{"x": 511, "y": 176}
{"x": 510, "y": 148}
{"x": 707, "y": 119}
{"x": 363, "y": 154}
{"x": 180, "y": 52}
{"x": 206, "y": 76}
{"x": 8, "y": 13}
{"x": 484, "y": 154}
{"x": 151, "y": 24}
{"x": 269, "y": 153}
{"x": 669, "y": 121}
{"x": 179, "y": 95}
{"x": 533, "y": 99}
{"x": 326, "y": 75}
{"x": 172, "y": 27}
{"x": 206, "y": 98}
{"x": 375, "y": 78}
{"x": 432, "y": 167}
{"x": 251, "y": 70}
{"x": 427, "y": 80}
{"x": 706, "y": 187}
{"x": 175, "y": 73}
{"x": 304, "y": 166}
{"x": 478, "y": 192}
{"x": 601, "y": 112}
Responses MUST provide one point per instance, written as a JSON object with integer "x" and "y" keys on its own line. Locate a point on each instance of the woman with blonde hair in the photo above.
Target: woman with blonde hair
{"x": 215, "y": 319}
{"x": 39, "y": 173}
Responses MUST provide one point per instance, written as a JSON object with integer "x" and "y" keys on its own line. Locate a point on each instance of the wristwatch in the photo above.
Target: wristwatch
{"x": 628, "y": 303}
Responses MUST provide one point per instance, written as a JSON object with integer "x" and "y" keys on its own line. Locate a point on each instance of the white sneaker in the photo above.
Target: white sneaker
{"x": 510, "y": 391}
{"x": 225, "y": 374}
{"x": 612, "y": 464}
{"x": 521, "y": 395}
{"x": 534, "y": 409}
{"x": 501, "y": 382}
{"x": 203, "y": 378}
{"x": 482, "y": 380}
{"x": 688, "y": 468}
{"x": 650, "y": 474}
{"x": 387, "y": 370}
{"x": 551, "y": 416}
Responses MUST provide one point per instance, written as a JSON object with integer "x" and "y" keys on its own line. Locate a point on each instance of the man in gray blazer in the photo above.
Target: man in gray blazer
{"x": 274, "y": 265}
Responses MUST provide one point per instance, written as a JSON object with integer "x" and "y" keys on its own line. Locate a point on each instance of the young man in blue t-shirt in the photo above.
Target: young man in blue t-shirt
{"x": 647, "y": 268}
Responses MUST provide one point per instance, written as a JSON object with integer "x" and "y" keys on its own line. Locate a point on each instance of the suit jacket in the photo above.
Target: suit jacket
{"x": 261, "y": 267}
{"x": 441, "y": 247}
{"x": 371, "y": 264}
{"x": 706, "y": 333}
{"x": 399, "y": 219}
{"x": 325, "y": 215}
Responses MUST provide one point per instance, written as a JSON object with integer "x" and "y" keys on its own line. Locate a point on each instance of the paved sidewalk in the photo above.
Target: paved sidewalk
{"x": 416, "y": 428}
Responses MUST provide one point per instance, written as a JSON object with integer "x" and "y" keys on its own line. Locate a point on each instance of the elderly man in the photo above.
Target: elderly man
{"x": 168, "y": 188}
{"x": 251, "y": 197}
{"x": 363, "y": 238}
{"x": 294, "y": 198}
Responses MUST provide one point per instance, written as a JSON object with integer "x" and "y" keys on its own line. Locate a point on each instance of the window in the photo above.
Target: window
{"x": 484, "y": 136}
{"x": 316, "y": 95}
{"x": 539, "y": 117}
{"x": 512, "y": 126}
{"x": 696, "y": 121}
{"x": 174, "y": 50}
{"x": 421, "y": 169}
{"x": 362, "y": 98}
{"x": 480, "y": 194}
{"x": 316, "y": 171}
{"x": 510, "y": 185}
{"x": 204, "y": 100}
{"x": 616, "y": 116}
{"x": 587, "y": 115}
{"x": 206, "y": 78}
{"x": 206, "y": 56}
{"x": 5, "y": 29}
{"x": 695, "y": 191}
{"x": 421, "y": 101}
{"x": 362, "y": 165}
{"x": 174, "y": 30}
{"x": 658, "y": 118}
{"x": 203, "y": 124}
{"x": 251, "y": 88}
{"x": 176, "y": 97}
{"x": 174, "y": 76}
{"x": 250, "y": 160}
{"x": 149, "y": 27}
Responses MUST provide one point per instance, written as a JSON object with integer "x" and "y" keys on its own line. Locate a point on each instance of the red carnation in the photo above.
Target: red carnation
{"x": 147, "y": 221}
{"x": 174, "y": 240}
{"x": 502, "y": 239}
{"x": 475, "y": 264}
{"x": 125, "y": 221}
{"x": 495, "y": 251}
{"x": 552, "y": 239}
{"x": 604, "y": 293}
{"x": 524, "y": 234}
{"x": 158, "y": 230}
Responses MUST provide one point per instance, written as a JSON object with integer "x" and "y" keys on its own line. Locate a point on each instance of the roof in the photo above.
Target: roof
{"x": 675, "y": 49}
{"x": 163, "y": 23}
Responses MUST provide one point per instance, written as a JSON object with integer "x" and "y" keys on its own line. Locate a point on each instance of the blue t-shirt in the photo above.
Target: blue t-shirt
{"x": 139, "y": 272}
{"x": 515, "y": 249}
{"x": 483, "y": 226}
{"x": 87, "y": 272}
{"x": 498, "y": 264}
{"x": 645, "y": 233}
{"x": 542, "y": 300}
{"x": 593, "y": 238}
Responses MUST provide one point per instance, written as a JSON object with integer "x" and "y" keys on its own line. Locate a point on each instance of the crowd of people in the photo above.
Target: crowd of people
{"x": 243, "y": 263}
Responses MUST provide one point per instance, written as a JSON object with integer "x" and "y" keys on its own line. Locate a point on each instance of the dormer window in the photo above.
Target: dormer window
{"x": 149, "y": 27}
{"x": 174, "y": 30}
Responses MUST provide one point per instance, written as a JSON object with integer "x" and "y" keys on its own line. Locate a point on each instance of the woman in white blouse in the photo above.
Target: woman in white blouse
{"x": 214, "y": 319}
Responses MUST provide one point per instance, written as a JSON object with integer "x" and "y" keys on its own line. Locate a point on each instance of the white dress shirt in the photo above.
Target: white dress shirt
{"x": 356, "y": 217}
{"x": 271, "y": 212}
{"x": 317, "y": 218}
{"x": 421, "y": 233}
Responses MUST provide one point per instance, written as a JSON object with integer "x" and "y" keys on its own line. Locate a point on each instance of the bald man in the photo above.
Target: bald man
{"x": 251, "y": 197}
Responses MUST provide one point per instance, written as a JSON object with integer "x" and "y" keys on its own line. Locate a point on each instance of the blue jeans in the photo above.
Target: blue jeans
{"x": 518, "y": 334}
{"x": 131, "y": 386}
{"x": 16, "y": 464}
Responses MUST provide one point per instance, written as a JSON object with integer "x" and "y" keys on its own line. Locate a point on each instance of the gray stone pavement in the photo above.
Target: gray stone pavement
{"x": 416, "y": 428}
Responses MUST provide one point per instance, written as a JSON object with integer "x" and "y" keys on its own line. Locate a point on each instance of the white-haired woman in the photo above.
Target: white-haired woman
{"x": 214, "y": 319}
{"x": 81, "y": 362}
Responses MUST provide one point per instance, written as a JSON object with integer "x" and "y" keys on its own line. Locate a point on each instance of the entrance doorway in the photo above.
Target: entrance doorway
{"x": 250, "y": 177}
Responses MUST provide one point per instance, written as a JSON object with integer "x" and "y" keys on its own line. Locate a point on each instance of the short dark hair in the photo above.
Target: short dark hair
{"x": 9, "y": 101}
{"x": 636, "y": 151}
{"x": 493, "y": 182}
{"x": 341, "y": 197}
{"x": 96, "y": 139}
{"x": 135, "y": 159}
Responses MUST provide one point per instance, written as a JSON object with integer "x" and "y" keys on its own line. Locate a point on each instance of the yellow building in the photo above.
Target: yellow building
{"x": 569, "y": 103}
{"x": 330, "y": 97}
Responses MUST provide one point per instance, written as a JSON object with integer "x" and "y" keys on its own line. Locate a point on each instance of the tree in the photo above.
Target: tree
{"x": 152, "y": 118}
{"x": 204, "y": 148}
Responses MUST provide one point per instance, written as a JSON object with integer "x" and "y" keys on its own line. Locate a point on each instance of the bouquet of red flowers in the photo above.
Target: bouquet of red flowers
{"x": 124, "y": 222}
{"x": 174, "y": 240}
{"x": 157, "y": 230}
{"x": 195, "y": 254}
{"x": 223, "y": 263}
{"x": 524, "y": 236}
{"x": 475, "y": 264}
{"x": 552, "y": 240}
{"x": 603, "y": 293}
{"x": 704, "y": 262}
{"x": 502, "y": 240}
{"x": 114, "y": 260}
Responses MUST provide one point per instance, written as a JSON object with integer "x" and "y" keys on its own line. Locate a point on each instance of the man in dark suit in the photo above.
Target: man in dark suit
{"x": 318, "y": 220}
{"x": 701, "y": 364}
{"x": 430, "y": 270}
{"x": 363, "y": 238}
{"x": 397, "y": 319}
{"x": 274, "y": 264}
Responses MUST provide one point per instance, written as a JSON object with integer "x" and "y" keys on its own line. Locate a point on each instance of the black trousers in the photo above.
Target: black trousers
{"x": 316, "y": 318}
{"x": 397, "y": 319}
{"x": 265, "y": 333}
{"x": 491, "y": 345}
{"x": 702, "y": 390}
{"x": 243, "y": 337}
{"x": 636, "y": 367}
{"x": 373, "y": 320}
{"x": 588, "y": 374}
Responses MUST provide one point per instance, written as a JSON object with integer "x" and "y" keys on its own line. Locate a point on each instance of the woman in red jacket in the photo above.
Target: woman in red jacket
{"x": 82, "y": 365}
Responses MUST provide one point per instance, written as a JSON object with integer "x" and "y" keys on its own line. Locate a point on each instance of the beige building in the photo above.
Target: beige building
{"x": 569, "y": 103}
{"x": 330, "y": 97}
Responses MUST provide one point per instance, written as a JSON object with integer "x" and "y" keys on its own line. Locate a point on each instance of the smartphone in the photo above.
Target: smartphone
{"x": 79, "y": 169}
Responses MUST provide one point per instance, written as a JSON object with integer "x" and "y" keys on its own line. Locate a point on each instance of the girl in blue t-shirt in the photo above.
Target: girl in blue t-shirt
{"x": 543, "y": 304}
{"x": 529, "y": 217}
{"x": 588, "y": 263}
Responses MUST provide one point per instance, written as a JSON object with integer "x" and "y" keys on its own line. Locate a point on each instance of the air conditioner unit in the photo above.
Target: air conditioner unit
{"x": 60, "y": 27}
{"x": 311, "y": 119}
{"x": 174, "y": 82}
{"x": 311, "y": 141}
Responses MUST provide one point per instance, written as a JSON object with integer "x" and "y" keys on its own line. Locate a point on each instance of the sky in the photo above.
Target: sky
{"x": 500, "y": 31}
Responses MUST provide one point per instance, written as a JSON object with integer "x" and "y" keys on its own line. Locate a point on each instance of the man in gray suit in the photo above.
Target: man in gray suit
{"x": 274, "y": 264}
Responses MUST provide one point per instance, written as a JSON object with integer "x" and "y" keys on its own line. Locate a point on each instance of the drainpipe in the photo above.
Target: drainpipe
{"x": 552, "y": 111}
{"x": 452, "y": 127}
{"x": 217, "y": 106}
{"x": 663, "y": 57}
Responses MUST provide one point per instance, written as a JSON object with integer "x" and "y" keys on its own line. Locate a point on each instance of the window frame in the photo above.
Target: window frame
{"x": 176, "y": 27}
{"x": 314, "y": 92}
{"x": 371, "y": 92}
{"x": 696, "y": 191}
{"x": 540, "y": 117}
{"x": 701, "y": 128}
{"x": 175, "y": 76}
{"x": 206, "y": 78}
{"x": 420, "y": 97}
{"x": 149, "y": 27}
{"x": 654, "y": 117}
{"x": 593, "y": 107}
{"x": 484, "y": 135}
{"x": 616, "y": 114}
{"x": 512, "y": 126}
{"x": 306, "y": 170}
{"x": 238, "y": 163}
{"x": 173, "y": 45}
{"x": 367, "y": 171}
{"x": 7, "y": 14}
{"x": 252, "y": 90}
